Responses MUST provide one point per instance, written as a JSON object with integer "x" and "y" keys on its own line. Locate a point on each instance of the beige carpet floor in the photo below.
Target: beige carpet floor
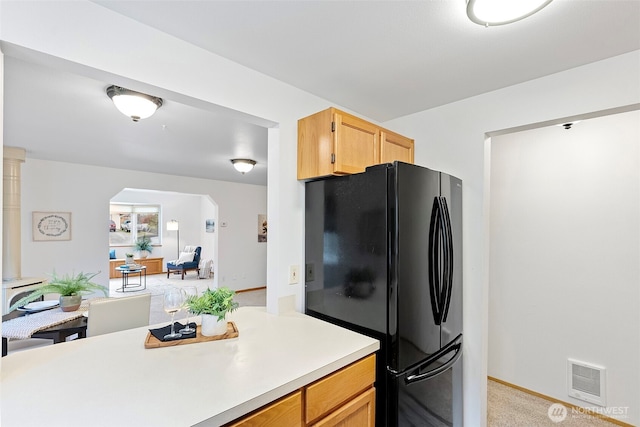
{"x": 510, "y": 407}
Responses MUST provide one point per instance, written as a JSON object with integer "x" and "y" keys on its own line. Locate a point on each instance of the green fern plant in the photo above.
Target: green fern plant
{"x": 217, "y": 302}
{"x": 67, "y": 285}
{"x": 144, "y": 244}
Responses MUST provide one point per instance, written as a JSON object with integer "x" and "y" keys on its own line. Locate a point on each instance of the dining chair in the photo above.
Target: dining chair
{"x": 117, "y": 314}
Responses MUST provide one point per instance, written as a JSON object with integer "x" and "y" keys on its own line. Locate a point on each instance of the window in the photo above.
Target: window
{"x": 129, "y": 222}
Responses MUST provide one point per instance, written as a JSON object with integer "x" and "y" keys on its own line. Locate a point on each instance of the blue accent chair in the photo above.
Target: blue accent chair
{"x": 183, "y": 268}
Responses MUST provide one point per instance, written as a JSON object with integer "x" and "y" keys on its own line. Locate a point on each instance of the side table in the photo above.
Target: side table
{"x": 126, "y": 271}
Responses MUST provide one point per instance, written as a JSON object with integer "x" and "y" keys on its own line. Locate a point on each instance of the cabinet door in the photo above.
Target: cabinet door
{"x": 334, "y": 390}
{"x": 359, "y": 412}
{"x": 395, "y": 147}
{"x": 356, "y": 144}
{"x": 286, "y": 412}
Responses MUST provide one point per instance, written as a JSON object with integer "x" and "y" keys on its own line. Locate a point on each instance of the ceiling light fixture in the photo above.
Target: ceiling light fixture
{"x": 136, "y": 105}
{"x": 569, "y": 125}
{"x": 500, "y": 12}
{"x": 243, "y": 165}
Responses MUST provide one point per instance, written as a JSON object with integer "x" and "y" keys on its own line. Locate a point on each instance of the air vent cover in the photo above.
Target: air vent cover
{"x": 586, "y": 382}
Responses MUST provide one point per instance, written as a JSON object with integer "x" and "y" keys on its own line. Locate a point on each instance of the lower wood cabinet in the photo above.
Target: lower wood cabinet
{"x": 344, "y": 398}
{"x": 356, "y": 412}
{"x": 154, "y": 266}
{"x": 284, "y": 412}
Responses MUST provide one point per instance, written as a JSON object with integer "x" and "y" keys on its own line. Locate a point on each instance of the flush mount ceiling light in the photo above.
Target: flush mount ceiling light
{"x": 243, "y": 165}
{"x": 569, "y": 125}
{"x": 136, "y": 105}
{"x": 500, "y": 12}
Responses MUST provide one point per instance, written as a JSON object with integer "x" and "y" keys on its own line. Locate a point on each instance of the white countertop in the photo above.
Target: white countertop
{"x": 112, "y": 380}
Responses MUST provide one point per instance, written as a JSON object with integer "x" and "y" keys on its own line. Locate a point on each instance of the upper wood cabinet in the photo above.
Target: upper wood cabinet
{"x": 394, "y": 146}
{"x": 332, "y": 142}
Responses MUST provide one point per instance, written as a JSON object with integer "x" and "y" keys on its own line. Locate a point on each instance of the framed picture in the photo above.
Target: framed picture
{"x": 51, "y": 226}
{"x": 209, "y": 225}
{"x": 262, "y": 228}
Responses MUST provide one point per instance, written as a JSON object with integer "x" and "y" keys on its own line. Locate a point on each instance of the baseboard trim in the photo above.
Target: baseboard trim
{"x": 250, "y": 289}
{"x": 554, "y": 400}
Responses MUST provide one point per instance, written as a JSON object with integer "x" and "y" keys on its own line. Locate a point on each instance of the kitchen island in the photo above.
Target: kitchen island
{"x": 112, "y": 380}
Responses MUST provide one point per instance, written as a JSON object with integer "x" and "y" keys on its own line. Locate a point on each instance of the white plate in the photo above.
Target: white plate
{"x": 41, "y": 305}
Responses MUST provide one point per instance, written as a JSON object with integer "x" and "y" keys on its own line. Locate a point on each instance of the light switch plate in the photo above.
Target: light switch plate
{"x": 294, "y": 274}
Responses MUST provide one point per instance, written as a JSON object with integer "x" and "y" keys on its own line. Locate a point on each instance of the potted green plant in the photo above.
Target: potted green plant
{"x": 70, "y": 287}
{"x": 213, "y": 305}
{"x": 129, "y": 259}
{"x": 143, "y": 245}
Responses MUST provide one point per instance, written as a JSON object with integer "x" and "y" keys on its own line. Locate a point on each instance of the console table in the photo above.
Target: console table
{"x": 154, "y": 266}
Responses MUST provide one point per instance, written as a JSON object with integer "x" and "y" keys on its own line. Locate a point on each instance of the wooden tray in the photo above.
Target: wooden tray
{"x": 153, "y": 342}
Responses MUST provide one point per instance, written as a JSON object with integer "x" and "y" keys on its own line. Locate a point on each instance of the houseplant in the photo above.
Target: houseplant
{"x": 70, "y": 287}
{"x": 143, "y": 245}
{"x": 129, "y": 259}
{"x": 213, "y": 305}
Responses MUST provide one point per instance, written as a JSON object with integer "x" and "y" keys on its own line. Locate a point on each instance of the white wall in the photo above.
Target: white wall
{"x": 564, "y": 271}
{"x": 451, "y": 138}
{"x": 80, "y": 34}
{"x": 85, "y": 191}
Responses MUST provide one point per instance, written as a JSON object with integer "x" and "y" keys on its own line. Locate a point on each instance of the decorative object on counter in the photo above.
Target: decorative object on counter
{"x": 129, "y": 259}
{"x": 70, "y": 287}
{"x": 188, "y": 292}
{"x": 143, "y": 245}
{"x": 213, "y": 305}
{"x": 153, "y": 341}
{"x": 172, "y": 303}
{"x": 163, "y": 333}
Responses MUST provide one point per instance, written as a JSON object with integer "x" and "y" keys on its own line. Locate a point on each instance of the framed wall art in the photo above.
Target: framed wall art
{"x": 262, "y": 228}
{"x": 51, "y": 226}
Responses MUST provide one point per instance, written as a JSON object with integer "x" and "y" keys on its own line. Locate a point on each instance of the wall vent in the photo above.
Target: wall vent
{"x": 586, "y": 382}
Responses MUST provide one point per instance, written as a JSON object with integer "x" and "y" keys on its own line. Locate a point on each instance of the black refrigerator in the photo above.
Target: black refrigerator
{"x": 383, "y": 256}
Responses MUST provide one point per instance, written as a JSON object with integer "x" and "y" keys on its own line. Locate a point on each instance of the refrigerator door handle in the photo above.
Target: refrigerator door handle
{"x": 449, "y": 259}
{"x": 434, "y": 260}
{"x": 454, "y": 346}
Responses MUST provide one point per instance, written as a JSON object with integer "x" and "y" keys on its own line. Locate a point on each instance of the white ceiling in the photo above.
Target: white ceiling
{"x": 382, "y": 59}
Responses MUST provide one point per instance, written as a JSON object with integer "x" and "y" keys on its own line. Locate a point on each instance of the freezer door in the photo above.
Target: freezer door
{"x": 432, "y": 402}
{"x": 346, "y": 249}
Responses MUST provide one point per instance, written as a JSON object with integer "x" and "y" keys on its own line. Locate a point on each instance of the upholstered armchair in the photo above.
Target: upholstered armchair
{"x": 189, "y": 260}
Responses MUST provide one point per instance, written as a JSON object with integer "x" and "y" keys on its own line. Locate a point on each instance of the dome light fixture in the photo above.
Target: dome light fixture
{"x": 136, "y": 105}
{"x": 500, "y": 12}
{"x": 243, "y": 165}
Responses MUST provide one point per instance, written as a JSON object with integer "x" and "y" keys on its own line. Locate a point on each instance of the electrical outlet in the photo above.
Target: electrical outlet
{"x": 294, "y": 274}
